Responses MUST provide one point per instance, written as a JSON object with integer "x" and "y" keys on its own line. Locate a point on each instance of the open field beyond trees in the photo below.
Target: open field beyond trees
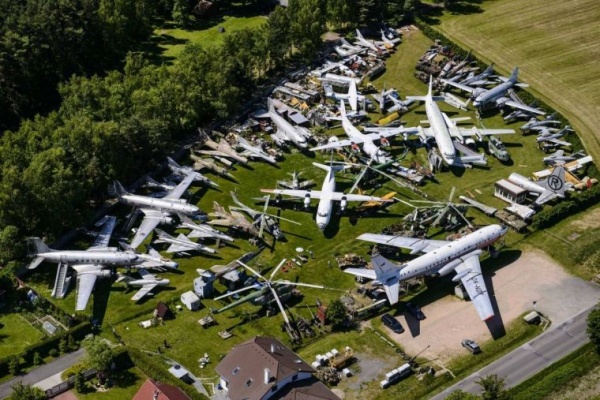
{"x": 555, "y": 45}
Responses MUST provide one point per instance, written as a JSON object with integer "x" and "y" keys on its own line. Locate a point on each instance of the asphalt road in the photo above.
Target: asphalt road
{"x": 530, "y": 358}
{"x": 43, "y": 372}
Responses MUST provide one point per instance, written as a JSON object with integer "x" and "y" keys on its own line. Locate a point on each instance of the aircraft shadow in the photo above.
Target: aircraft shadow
{"x": 457, "y": 171}
{"x": 100, "y": 297}
{"x": 333, "y": 227}
{"x": 413, "y": 324}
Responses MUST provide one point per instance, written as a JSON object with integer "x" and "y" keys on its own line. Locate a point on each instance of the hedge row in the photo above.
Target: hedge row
{"x": 43, "y": 348}
{"x": 576, "y": 203}
{"x": 156, "y": 369}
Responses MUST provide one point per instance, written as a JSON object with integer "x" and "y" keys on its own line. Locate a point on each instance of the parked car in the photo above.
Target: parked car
{"x": 415, "y": 311}
{"x": 471, "y": 345}
{"x": 392, "y": 323}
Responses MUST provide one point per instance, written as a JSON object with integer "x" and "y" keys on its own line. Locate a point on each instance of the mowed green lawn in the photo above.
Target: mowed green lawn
{"x": 171, "y": 41}
{"x": 555, "y": 44}
{"x": 16, "y": 333}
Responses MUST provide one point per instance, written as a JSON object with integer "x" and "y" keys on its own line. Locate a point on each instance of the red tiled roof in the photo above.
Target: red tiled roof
{"x": 165, "y": 392}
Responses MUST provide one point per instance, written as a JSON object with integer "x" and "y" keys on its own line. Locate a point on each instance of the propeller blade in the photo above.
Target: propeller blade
{"x": 404, "y": 202}
{"x": 290, "y": 283}
{"x": 284, "y": 219}
{"x": 276, "y": 296}
{"x": 253, "y": 286}
{"x": 250, "y": 269}
{"x": 451, "y": 194}
{"x": 277, "y": 269}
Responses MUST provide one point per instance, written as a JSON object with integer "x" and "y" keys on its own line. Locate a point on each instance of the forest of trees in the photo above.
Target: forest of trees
{"x": 80, "y": 109}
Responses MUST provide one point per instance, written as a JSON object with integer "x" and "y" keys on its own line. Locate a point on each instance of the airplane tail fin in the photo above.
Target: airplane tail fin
{"x": 556, "y": 181}
{"x": 123, "y": 278}
{"x": 39, "y": 246}
{"x": 358, "y": 34}
{"x": 386, "y": 272}
{"x": 185, "y": 218}
{"x": 117, "y": 189}
{"x": 343, "y": 110}
{"x": 515, "y": 74}
{"x": 271, "y": 105}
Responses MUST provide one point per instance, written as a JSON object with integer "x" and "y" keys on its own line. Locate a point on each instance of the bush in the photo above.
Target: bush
{"x": 53, "y": 353}
{"x": 37, "y": 359}
{"x": 14, "y": 367}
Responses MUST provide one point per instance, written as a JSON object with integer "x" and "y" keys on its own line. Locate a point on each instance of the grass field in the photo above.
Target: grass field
{"x": 16, "y": 333}
{"x": 555, "y": 44}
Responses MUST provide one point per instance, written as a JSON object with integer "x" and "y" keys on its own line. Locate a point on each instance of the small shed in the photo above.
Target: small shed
{"x": 163, "y": 311}
{"x": 509, "y": 192}
{"x": 191, "y": 301}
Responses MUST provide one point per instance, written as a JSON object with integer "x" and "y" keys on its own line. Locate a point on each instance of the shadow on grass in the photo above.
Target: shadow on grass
{"x": 124, "y": 379}
{"x": 431, "y": 13}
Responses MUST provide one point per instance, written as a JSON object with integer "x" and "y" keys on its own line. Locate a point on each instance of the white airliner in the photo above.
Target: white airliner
{"x": 89, "y": 264}
{"x": 444, "y": 129}
{"x": 440, "y": 258}
{"x": 496, "y": 96}
{"x": 147, "y": 283}
{"x": 156, "y": 211}
{"x": 361, "y": 41}
{"x": 327, "y": 195}
{"x": 355, "y": 137}
{"x": 352, "y": 97}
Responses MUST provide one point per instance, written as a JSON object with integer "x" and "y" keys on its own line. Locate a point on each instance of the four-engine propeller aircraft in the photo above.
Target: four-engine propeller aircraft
{"x": 546, "y": 190}
{"x": 146, "y": 283}
{"x": 440, "y": 258}
{"x": 496, "y": 96}
{"x": 444, "y": 129}
{"x": 89, "y": 264}
{"x": 156, "y": 211}
{"x": 327, "y": 195}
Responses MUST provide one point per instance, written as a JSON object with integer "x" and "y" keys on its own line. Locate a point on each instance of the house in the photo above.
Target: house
{"x": 152, "y": 390}
{"x": 264, "y": 368}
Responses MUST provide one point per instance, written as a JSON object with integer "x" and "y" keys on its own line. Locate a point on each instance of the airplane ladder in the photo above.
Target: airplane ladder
{"x": 61, "y": 283}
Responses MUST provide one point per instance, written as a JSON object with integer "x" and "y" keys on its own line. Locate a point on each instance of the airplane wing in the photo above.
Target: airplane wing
{"x": 472, "y": 279}
{"x": 520, "y": 106}
{"x": 108, "y": 225}
{"x": 474, "y": 131}
{"x": 415, "y": 245}
{"x": 339, "y": 196}
{"x": 181, "y": 188}
{"x": 150, "y": 221}
{"x": 389, "y": 132}
{"x": 221, "y": 222}
{"x": 459, "y": 85}
{"x": 178, "y": 248}
{"x": 143, "y": 291}
{"x": 336, "y": 144}
{"x": 200, "y": 234}
{"x": 364, "y": 272}
{"x": 313, "y": 194}
{"x": 85, "y": 285}
{"x": 145, "y": 274}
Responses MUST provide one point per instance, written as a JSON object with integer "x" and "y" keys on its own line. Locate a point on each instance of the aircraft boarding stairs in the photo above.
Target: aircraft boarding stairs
{"x": 62, "y": 281}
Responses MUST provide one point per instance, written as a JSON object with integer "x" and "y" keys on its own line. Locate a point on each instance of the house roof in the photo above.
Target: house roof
{"x": 162, "y": 391}
{"x": 307, "y": 389}
{"x": 163, "y": 310}
{"x": 244, "y": 367}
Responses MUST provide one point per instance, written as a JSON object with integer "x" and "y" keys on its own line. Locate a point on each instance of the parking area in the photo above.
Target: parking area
{"x": 527, "y": 277}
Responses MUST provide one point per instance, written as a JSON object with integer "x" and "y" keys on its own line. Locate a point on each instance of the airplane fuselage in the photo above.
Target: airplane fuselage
{"x": 491, "y": 95}
{"x": 110, "y": 257}
{"x": 207, "y": 229}
{"x": 189, "y": 244}
{"x": 430, "y": 263}
{"x": 440, "y": 130}
{"x": 165, "y": 205}
{"x": 368, "y": 146}
{"x": 142, "y": 282}
{"x": 325, "y": 206}
{"x": 225, "y": 150}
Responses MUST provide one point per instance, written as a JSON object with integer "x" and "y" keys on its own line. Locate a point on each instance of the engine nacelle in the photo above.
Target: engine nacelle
{"x": 451, "y": 266}
{"x": 461, "y": 275}
{"x": 343, "y": 203}
{"x": 307, "y": 201}
{"x": 166, "y": 220}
